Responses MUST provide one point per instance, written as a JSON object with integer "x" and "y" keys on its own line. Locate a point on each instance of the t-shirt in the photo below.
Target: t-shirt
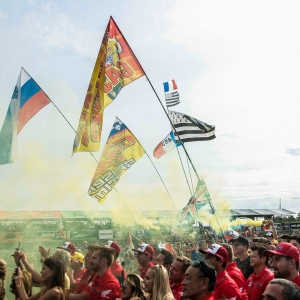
{"x": 116, "y": 270}
{"x": 85, "y": 280}
{"x": 103, "y": 287}
{"x": 177, "y": 289}
{"x": 256, "y": 284}
{"x": 225, "y": 286}
{"x": 77, "y": 278}
{"x": 144, "y": 271}
{"x": 297, "y": 280}
{"x": 245, "y": 267}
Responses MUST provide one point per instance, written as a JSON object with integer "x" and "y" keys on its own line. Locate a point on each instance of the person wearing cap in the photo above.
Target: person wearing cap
{"x": 199, "y": 281}
{"x": 240, "y": 249}
{"x": 177, "y": 274}
{"x": 68, "y": 247}
{"x": 164, "y": 258}
{"x": 295, "y": 241}
{"x": 257, "y": 282}
{"x": 116, "y": 269}
{"x": 145, "y": 254}
{"x": 225, "y": 286}
{"x": 234, "y": 272}
{"x": 76, "y": 270}
{"x": 285, "y": 262}
{"x": 284, "y": 238}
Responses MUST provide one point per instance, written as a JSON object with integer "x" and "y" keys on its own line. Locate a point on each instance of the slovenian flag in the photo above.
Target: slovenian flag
{"x": 27, "y": 100}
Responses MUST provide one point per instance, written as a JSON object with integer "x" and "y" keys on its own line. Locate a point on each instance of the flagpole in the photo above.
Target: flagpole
{"x": 206, "y": 191}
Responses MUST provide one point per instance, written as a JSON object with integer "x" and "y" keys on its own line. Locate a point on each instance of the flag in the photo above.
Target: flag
{"x": 190, "y": 129}
{"x": 171, "y": 93}
{"x": 166, "y": 145}
{"x": 27, "y": 100}
{"x": 231, "y": 234}
{"x": 116, "y": 66}
{"x": 197, "y": 201}
{"x": 121, "y": 151}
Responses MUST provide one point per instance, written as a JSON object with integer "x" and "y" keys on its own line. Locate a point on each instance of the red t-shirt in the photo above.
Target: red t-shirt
{"x": 177, "y": 289}
{"x": 85, "y": 280}
{"x": 225, "y": 286}
{"x": 116, "y": 269}
{"x": 237, "y": 275}
{"x": 144, "y": 271}
{"x": 77, "y": 278}
{"x": 103, "y": 287}
{"x": 256, "y": 284}
{"x": 209, "y": 297}
{"x": 297, "y": 280}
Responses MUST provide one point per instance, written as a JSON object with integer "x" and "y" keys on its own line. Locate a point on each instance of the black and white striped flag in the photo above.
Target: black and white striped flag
{"x": 172, "y": 98}
{"x": 190, "y": 129}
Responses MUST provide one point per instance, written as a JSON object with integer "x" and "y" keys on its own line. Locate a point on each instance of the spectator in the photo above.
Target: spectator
{"x": 261, "y": 276}
{"x": 53, "y": 281}
{"x": 285, "y": 262}
{"x": 132, "y": 287}
{"x": 234, "y": 272}
{"x": 164, "y": 258}
{"x": 176, "y": 275}
{"x": 240, "y": 249}
{"x": 285, "y": 238}
{"x": 76, "y": 271}
{"x": 2, "y": 278}
{"x": 295, "y": 241}
{"x": 156, "y": 284}
{"x": 225, "y": 286}
{"x": 116, "y": 269}
{"x": 71, "y": 248}
{"x": 199, "y": 281}
{"x": 281, "y": 289}
{"x": 145, "y": 254}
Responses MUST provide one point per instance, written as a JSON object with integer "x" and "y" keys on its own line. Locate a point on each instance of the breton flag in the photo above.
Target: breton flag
{"x": 27, "y": 100}
{"x": 121, "y": 151}
{"x": 190, "y": 129}
{"x": 116, "y": 66}
{"x": 166, "y": 145}
{"x": 171, "y": 93}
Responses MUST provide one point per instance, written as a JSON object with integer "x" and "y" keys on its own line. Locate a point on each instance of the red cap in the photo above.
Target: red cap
{"x": 145, "y": 248}
{"x": 285, "y": 249}
{"x": 69, "y": 247}
{"x": 114, "y": 245}
{"x": 218, "y": 251}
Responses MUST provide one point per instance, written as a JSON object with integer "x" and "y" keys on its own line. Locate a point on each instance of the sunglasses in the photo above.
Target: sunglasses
{"x": 123, "y": 286}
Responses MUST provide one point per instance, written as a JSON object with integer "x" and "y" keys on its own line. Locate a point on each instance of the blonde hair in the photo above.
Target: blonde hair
{"x": 2, "y": 271}
{"x": 161, "y": 287}
{"x": 27, "y": 282}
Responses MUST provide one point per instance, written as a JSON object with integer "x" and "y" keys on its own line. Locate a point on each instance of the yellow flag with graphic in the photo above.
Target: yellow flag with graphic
{"x": 121, "y": 151}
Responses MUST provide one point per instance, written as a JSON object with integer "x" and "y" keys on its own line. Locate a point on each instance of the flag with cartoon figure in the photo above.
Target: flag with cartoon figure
{"x": 121, "y": 151}
{"x": 116, "y": 66}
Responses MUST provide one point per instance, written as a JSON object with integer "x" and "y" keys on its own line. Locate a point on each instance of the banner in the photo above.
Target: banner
{"x": 116, "y": 66}
{"x": 121, "y": 151}
{"x": 106, "y": 235}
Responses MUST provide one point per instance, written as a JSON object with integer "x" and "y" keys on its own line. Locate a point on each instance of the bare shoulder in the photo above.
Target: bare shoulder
{"x": 53, "y": 294}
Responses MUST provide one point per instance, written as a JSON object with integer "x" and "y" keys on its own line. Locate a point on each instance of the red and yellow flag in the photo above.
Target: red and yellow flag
{"x": 115, "y": 67}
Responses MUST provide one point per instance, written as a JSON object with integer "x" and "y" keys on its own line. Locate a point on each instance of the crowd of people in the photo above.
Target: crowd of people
{"x": 244, "y": 267}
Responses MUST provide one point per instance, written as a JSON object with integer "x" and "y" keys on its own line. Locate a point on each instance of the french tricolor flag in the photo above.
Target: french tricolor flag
{"x": 170, "y": 86}
{"x": 27, "y": 100}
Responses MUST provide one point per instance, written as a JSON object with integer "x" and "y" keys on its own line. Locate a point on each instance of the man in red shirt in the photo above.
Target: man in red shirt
{"x": 145, "y": 253}
{"x": 225, "y": 286}
{"x": 116, "y": 269}
{"x": 177, "y": 274}
{"x": 281, "y": 289}
{"x": 261, "y": 276}
{"x": 199, "y": 281}
{"x": 285, "y": 262}
{"x": 234, "y": 272}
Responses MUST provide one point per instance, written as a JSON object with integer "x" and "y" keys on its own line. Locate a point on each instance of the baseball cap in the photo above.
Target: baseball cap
{"x": 269, "y": 234}
{"x": 145, "y": 248}
{"x": 114, "y": 245}
{"x": 241, "y": 240}
{"x": 78, "y": 257}
{"x": 284, "y": 249}
{"x": 69, "y": 247}
{"x": 218, "y": 251}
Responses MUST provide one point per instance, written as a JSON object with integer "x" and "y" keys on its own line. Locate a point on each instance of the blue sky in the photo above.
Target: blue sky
{"x": 236, "y": 65}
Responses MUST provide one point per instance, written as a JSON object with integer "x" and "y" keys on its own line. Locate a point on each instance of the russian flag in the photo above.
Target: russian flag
{"x": 170, "y": 86}
{"x": 27, "y": 100}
